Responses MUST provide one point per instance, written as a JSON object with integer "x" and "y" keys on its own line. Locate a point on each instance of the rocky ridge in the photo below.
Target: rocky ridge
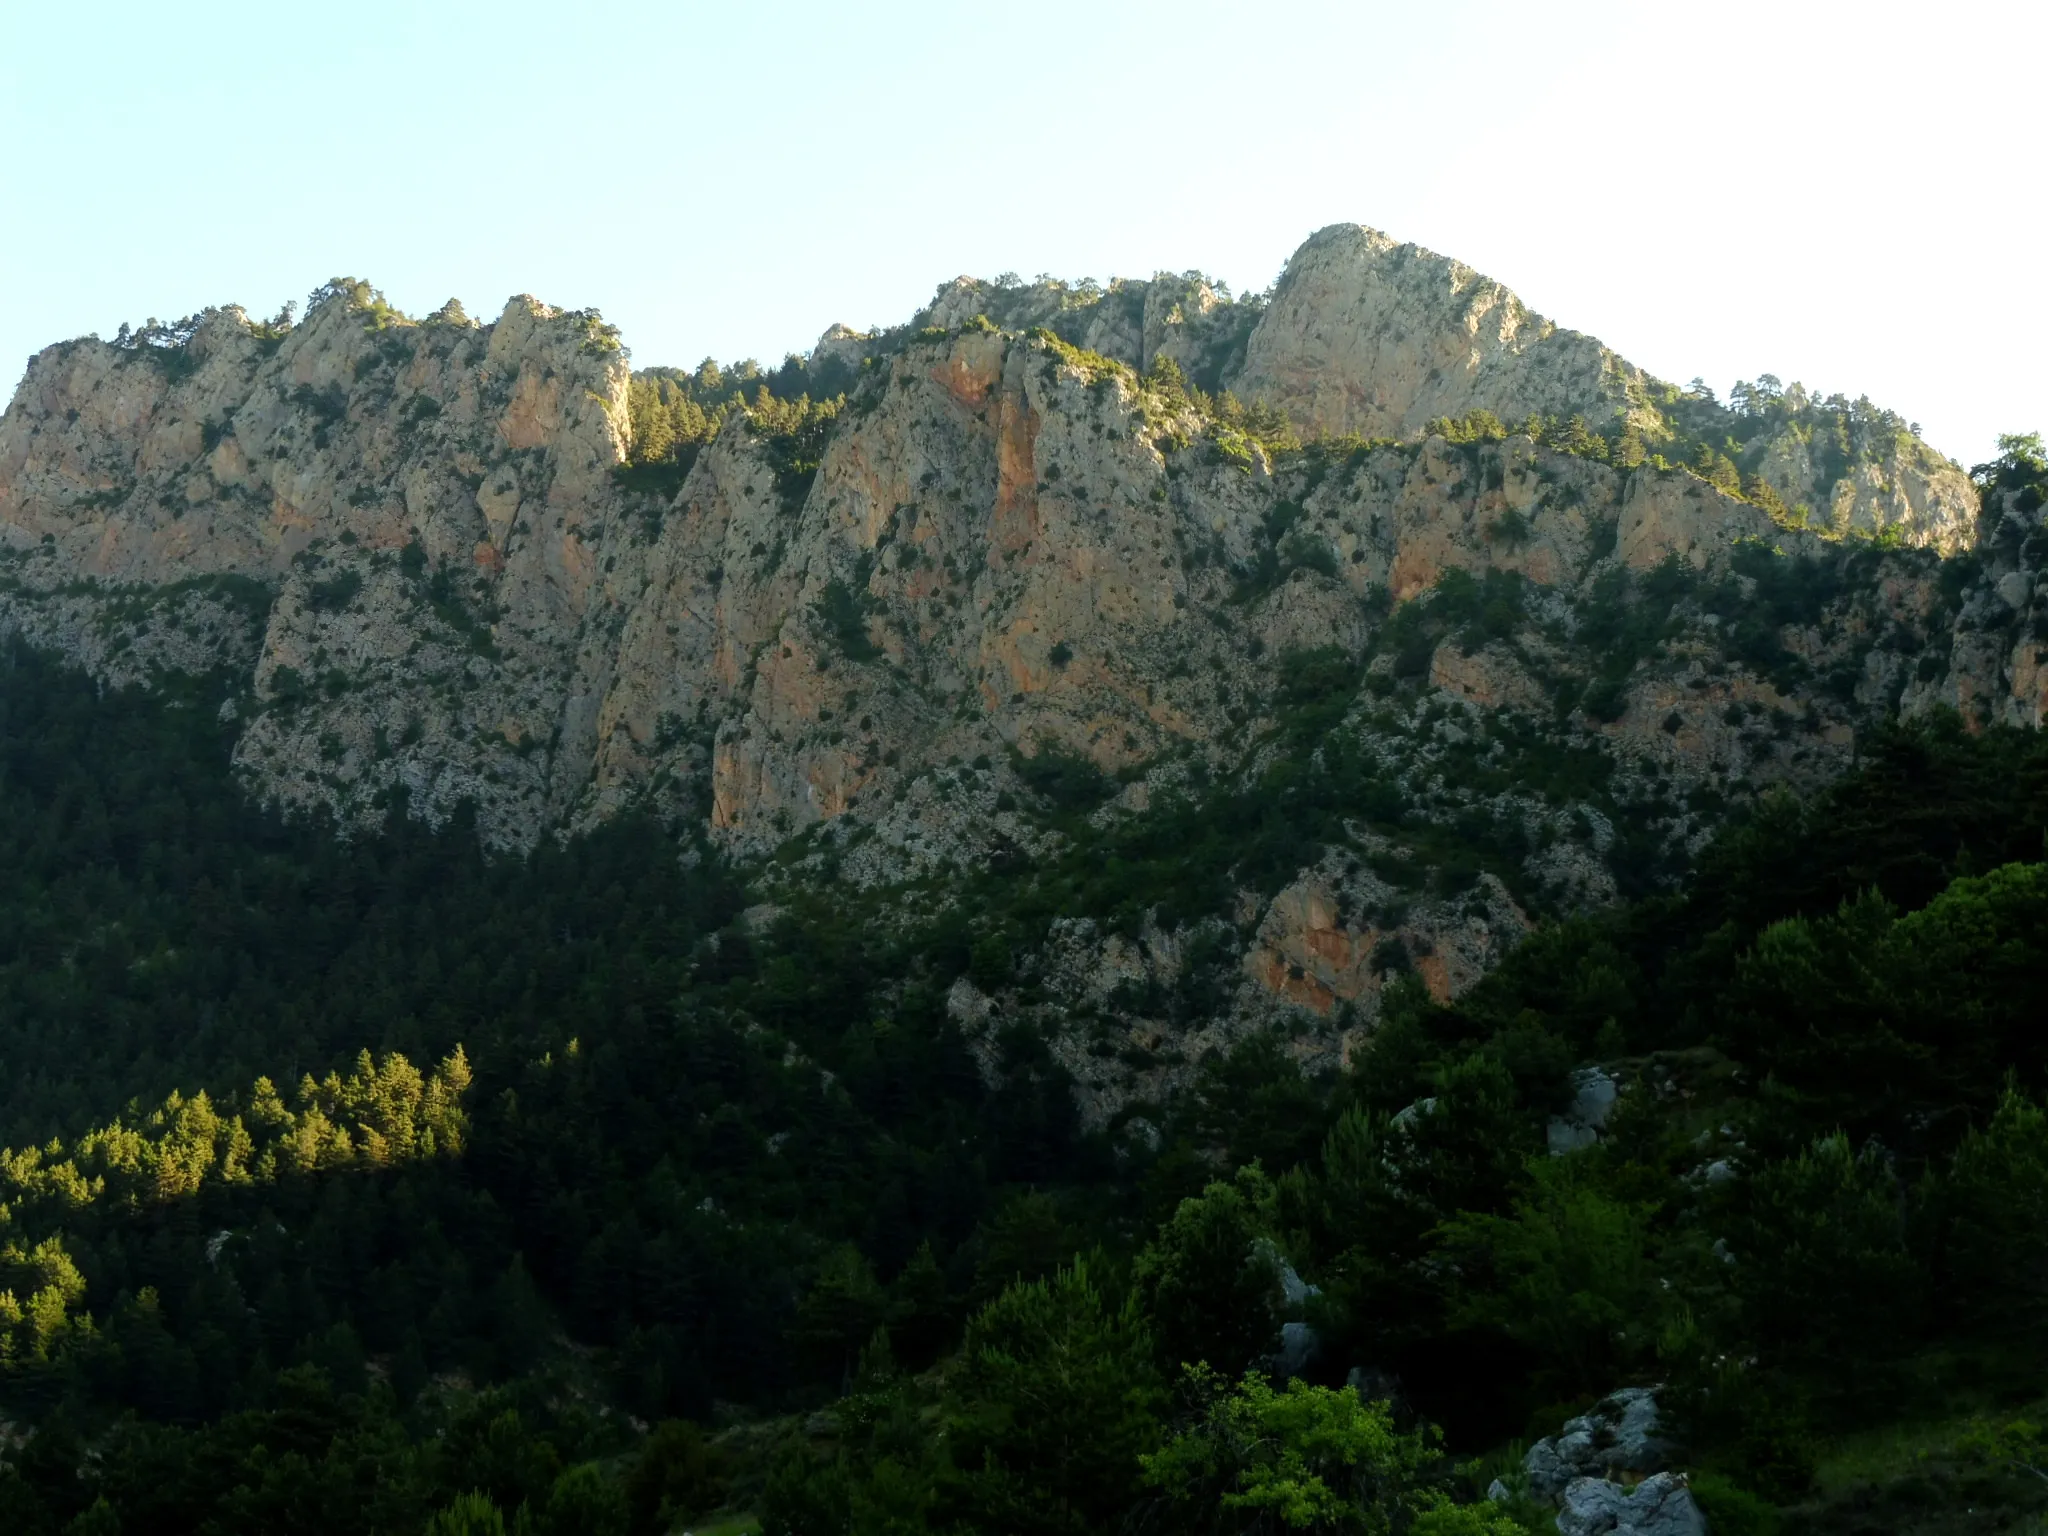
{"x": 1035, "y": 590}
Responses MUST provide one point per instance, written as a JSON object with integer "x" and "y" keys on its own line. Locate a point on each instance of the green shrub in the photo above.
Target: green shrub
{"x": 1569, "y": 1276}
{"x": 335, "y": 593}
{"x": 1473, "y": 427}
{"x": 1511, "y": 528}
{"x": 989, "y": 963}
{"x": 1828, "y": 1223}
{"x": 1066, "y": 780}
{"x": 1307, "y": 1458}
{"x": 844, "y": 614}
{"x": 1733, "y": 1511}
{"x": 471, "y": 1514}
{"x": 1605, "y": 699}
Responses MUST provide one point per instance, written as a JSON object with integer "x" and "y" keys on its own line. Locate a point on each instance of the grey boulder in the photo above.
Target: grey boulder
{"x": 1657, "y": 1506}
{"x": 1593, "y": 1097}
{"x": 1619, "y": 1435}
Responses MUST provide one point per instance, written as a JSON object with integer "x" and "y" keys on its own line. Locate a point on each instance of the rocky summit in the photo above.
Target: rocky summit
{"x": 1049, "y": 573}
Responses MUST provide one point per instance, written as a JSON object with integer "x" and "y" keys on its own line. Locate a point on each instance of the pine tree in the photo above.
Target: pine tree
{"x": 471, "y": 1514}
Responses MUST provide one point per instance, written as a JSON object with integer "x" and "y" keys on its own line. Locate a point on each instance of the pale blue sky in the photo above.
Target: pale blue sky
{"x": 1848, "y": 194}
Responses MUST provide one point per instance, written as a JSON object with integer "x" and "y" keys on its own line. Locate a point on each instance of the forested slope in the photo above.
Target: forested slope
{"x": 667, "y": 1157}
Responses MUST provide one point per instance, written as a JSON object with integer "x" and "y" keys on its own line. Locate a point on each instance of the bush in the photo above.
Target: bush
{"x": 471, "y": 1514}
{"x": 1522, "y": 1518}
{"x": 1068, "y": 781}
{"x": 1511, "y": 529}
{"x": 676, "y": 1477}
{"x": 1307, "y": 1458}
{"x": 989, "y": 963}
{"x": 336, "y": 593}
{"x": 1606, "y": 699}
{"x": 844, "y": 614}
{"x": 1731, "y": 1511}
{"x": 1473, "y": 427}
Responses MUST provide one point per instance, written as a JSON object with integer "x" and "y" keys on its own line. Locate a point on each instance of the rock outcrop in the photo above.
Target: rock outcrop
{"x": 1594, "y": 1095}
{"x": 1605, "y": 1472}
{"x": 1619, "y": 1435}
{"x": 1027, "y": 584}
{"x": 1369, "y": 336}
{"x": 1657, "y": 1506}
{"x": 1365, "y": 335}
{"x": 415, "y": 510}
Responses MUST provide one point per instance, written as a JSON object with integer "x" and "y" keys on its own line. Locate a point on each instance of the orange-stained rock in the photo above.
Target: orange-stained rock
{"x": 1015, "y": 546}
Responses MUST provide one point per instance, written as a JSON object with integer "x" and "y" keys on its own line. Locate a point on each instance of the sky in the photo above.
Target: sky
{"x": 1849, "y": 195}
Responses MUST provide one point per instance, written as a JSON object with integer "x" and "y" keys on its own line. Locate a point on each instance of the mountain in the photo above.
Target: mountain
{"x": 1116, "y": 909}
{"x": 1045, "y": 566}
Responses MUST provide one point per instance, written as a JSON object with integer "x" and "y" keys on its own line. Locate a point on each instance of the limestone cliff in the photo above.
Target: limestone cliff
{"x": 1364, "y": 335}
{"x": 1369, "y": 336}
{"x": 422, "y": 506}
{"x": 1031, "y": 591}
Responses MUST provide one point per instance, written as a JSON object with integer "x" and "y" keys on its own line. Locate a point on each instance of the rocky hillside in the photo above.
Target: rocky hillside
{"x": 1092, "y": 588}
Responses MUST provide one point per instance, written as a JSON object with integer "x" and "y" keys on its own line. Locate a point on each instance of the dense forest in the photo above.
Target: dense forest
{"x": 374, "y": 1185}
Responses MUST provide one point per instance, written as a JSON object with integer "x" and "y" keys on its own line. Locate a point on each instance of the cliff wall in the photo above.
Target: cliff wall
{"x": 1026, "y": 559}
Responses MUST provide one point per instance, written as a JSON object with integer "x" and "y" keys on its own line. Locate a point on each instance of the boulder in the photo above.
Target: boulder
{"x": 1299, "y": 1341}
{"x": 1593, "y": 1097}
{"x": 1657, "y": 1506}
{"x": 1619, "y": 1435}
{"x": 1299, "y": 1345}
{"x": 1412, "y": 1114}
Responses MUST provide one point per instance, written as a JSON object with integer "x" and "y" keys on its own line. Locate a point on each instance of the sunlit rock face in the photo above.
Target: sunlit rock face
{"x": 1025, "y": 542}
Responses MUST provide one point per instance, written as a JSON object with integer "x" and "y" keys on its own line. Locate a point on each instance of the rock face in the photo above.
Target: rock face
{"x": 1366, "y": 335}
{"x": 414, "y": 511}
{"x": 1022, "y": 559}
{"x": 1897, "y": 484}
{"x": 1992, "y": 666}
{"x": 1187, "y": 319}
